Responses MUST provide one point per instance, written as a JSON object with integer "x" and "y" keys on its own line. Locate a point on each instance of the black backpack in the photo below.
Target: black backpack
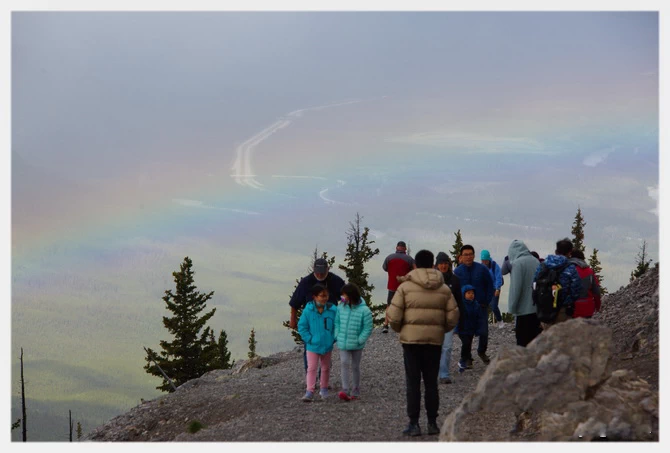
{"x": 548, "y": 295}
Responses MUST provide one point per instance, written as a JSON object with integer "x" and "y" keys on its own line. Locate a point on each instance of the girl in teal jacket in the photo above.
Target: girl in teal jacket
{"x": 353, "y": 326}
{"x": 317, "y": 329}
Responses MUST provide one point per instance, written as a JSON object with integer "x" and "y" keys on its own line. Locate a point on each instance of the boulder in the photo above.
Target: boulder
{"x": 562, "y": 377}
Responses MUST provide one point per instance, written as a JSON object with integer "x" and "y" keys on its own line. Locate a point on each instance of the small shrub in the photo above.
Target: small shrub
{"x": 195, "y": 426}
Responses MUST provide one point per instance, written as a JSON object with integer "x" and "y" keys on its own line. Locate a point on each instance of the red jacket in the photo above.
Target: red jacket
{"x": 397, "y": 264}
{"x": 589, "y": 299}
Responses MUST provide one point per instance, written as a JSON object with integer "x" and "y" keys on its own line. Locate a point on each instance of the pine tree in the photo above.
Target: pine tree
{"x": 223, "y": 353}
{"x": 358, "y": 253}
{"x": 642, "y": 264}
{"x": 79, "y": 431}
{"x": 578, "y": 231}
{"x": 310, "y": 269}
{"x": 188, "y": 356}
{"x": 594, "y": 264}
{"x": 456, "y": 249}
{"x": 252, "y": 344}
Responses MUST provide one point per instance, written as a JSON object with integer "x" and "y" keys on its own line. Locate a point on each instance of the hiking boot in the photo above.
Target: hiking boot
{"x": 445, "y": 380}
{"x": 468, "y": 364}
{"x": 309, "y": 397}
{"x": 461, "y": 367}
{"x": 323, "y": 393}
{"x": 385, "y": 329}
{"x": 433, "y": 428}
{"x": 412, "y": 430}
{"x": 486, "y": 359}
{"x": 343, "y": 396}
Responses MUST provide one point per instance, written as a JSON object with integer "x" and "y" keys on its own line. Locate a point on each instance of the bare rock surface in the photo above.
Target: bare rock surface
{"x": 562, "y": 376}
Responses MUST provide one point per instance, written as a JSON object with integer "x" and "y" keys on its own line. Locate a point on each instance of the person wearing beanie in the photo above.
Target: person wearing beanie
{"x": 496, "y": 275}
{"x": 476, "y": 274}
{"x": 397, "y": 265}
{"x": 443, "y": 264}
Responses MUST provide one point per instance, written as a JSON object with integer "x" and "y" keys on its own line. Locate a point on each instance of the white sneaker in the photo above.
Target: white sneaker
{"x": 501, "y": 325}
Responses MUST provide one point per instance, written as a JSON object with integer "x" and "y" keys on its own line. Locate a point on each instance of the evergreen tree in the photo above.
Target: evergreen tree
{"x": 79, "y": 431}
{"x": 578, "y": 231}
{"x": 456, "y": 249}
{"x": 223, "y": 353}
{"x": 190, "y": 354}
{"x": 642, "y": 264}
{"x": 252, "y": 344}
{"x": 310, "y": 269}
{"x": 358, "y": 253}
{"x": 594, "y": 264}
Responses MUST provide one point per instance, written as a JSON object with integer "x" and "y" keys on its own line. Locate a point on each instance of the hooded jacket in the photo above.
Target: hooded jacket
{"x": 471, "y": 315}
{"x": 316, "y": 329}
{"x": 353, "y": 325}
{"x": 478, "y": 276}
{"x": 569, "y": 278}
{"x": 589, "y": 298}
{"x": 523, "y": 266}
{"x": 423, "y": 308}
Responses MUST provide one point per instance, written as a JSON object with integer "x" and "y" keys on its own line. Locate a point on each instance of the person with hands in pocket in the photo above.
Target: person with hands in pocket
{"x": 317, "y": 329}
{"x": 353, "y": 326}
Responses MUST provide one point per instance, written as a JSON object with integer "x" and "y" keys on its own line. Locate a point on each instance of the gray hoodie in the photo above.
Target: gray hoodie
{"x": 523, "y": 264}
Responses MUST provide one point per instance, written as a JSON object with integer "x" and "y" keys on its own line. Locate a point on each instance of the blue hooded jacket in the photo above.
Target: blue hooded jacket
{"x": 478, "y": 276}
{"x": 470, "y": 315}
{"x": 316, "y": 329}
{"x": 569, "y": 278}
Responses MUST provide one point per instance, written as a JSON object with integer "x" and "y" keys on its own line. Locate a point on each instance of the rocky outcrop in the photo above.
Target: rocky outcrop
{"x": 563, "y": 378}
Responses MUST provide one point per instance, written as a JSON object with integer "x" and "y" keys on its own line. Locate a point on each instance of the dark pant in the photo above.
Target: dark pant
{"x": 388, "y": 302}
{"x": 466, "y": 349}
{"x": 527, "y": 328}
{"x": 421, "y": 360}
{"x": 497, "y": 316}
{"x": 483, "y": 344}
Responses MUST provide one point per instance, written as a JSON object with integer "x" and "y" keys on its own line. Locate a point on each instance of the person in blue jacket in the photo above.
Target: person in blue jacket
{"x": 498, "y": 281}
{"x": 477, "y": 275}
{"x": 317, "y": 329}
{"x": 469, "y": 326}
{"x": 353, "y": 326}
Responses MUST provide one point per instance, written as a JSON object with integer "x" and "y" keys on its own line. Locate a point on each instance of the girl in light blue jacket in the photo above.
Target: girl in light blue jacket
{"x": 353, "y": 326}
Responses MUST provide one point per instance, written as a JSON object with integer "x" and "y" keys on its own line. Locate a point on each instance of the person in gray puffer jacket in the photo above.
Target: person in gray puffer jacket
{"x": 520, "y": 300}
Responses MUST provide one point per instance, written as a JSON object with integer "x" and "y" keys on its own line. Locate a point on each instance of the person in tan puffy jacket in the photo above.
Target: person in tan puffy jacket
{"x": 422, "y": 310}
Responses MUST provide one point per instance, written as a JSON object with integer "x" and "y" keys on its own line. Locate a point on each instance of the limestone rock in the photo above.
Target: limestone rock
{"x": 562, "y": 376}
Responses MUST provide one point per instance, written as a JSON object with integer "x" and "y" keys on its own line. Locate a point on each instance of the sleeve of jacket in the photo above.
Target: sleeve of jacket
{"x": 335, "y": 289}
{"x": 506, "y": 267}
{"x": 456, "y": 283}
{"x": 497, "y": 284}
{"x": 367, "y": 326}
{"x": 385, "y": 264}
{"x": 452, "y": 314}
{"x": 488, "y": 281}
{"x": 298, "y": 298}
{"x": 575, "y": 284}
{"x": 337, "y": 323}
{"x": 396, "y": 310}
{"x": 303, "y": 329}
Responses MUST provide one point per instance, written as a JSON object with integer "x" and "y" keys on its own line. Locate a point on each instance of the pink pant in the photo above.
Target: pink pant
{"x": 313, "y": 365}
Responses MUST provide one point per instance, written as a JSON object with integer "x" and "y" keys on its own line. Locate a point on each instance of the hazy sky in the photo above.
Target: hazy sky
{"x": 244, "y": 140}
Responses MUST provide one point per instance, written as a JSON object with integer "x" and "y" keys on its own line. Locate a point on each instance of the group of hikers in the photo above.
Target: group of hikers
{"x": 427, "y": 302}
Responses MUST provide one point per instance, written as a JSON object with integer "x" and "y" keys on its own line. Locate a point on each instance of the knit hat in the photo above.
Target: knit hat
{"x": 442, "y": 258}
{"x": 485, "y": 255}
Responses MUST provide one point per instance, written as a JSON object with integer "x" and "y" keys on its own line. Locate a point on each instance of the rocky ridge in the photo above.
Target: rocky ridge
{"x": 260, "y": 399}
